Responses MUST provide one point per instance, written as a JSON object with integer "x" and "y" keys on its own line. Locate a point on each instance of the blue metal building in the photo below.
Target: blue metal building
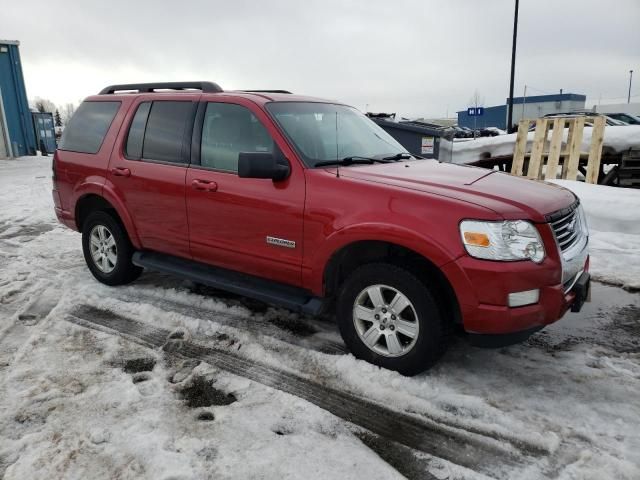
{"x": 17, "y": 137}
{"x": 492, "y": 117}
{"x": 524, "y": 107}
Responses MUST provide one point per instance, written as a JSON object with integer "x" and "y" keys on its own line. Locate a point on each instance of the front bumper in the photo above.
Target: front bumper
{"x": 582, "y": 291}
{"x": 482, "y": 288}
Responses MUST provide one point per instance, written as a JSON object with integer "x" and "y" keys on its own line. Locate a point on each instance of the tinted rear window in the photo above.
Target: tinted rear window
{"x": 88, "y": 127}
{"x": 164, "y": 135}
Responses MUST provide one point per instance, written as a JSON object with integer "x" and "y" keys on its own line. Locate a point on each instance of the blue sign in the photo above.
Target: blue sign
{"x": 475, "y": 111}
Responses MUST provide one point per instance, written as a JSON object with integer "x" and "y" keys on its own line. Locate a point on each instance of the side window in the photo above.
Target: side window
{"x": 227, "y": 130}
{"x": 164, "y": 133}
{"x": 136, "y": 131}
{"x": 88, "y": 127}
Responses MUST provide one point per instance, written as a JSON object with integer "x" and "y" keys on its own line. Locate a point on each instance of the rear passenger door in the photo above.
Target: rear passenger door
{"x": 149, "y": 170}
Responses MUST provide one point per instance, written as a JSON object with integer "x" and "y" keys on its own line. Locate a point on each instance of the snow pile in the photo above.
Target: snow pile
{"x": 616, "y": 139}
{"x": 614, "y": 222}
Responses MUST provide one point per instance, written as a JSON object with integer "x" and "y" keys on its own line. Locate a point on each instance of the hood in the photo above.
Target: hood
{"x": 509, "y": 196}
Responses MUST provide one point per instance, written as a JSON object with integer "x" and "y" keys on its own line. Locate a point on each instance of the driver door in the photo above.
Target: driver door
{"x": 244, "y": 224}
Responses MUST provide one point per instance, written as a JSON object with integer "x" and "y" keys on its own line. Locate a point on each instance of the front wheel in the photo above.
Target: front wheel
{"x": 388, "y": 317}
{"x": 107, "y": 250}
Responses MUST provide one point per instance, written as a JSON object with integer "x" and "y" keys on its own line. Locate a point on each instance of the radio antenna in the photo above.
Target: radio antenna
{"x": 337, "y": 149}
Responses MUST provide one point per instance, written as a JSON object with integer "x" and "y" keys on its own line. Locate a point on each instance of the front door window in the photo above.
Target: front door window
{"x": 227, "y": 130}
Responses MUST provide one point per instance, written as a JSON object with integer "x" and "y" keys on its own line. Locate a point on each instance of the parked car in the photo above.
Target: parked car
{"x": 610, "y": 121}
{"x": 491, "y": 132}
{"x": 308, "y": 204}
{"x": 467, "y": 131}
{"x": 496, "y": 130}
{"x": 460, "y": 132}
{"x": 625, "y": 117}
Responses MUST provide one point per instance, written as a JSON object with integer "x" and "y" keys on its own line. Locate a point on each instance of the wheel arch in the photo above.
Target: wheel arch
{"x": 92, "y": 202}
{"x": 353, "y": 255}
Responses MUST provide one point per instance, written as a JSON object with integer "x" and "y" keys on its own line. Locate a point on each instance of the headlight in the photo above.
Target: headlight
{"x": 508, "y": 240}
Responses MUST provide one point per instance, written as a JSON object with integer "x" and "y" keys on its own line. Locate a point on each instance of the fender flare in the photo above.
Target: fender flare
{"x": 425, "y": 246}
{"x": 123, "y": 213}
{"x": 109, "y": 196}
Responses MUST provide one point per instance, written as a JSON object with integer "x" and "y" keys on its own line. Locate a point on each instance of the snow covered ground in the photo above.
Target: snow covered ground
{"x": 99, "y": 382}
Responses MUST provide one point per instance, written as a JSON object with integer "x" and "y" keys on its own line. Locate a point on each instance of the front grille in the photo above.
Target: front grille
{"x": 567, "y": 229}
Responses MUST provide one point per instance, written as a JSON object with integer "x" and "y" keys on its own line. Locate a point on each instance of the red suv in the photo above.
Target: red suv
{"x": 308, "y": 204}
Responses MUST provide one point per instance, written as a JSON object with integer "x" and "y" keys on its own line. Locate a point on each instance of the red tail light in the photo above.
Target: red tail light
{"x": 53, "y": 165}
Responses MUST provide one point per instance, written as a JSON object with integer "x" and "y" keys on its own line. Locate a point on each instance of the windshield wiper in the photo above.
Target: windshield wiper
{"x": 354, "y": 160}
{"x": 399, "y": 156}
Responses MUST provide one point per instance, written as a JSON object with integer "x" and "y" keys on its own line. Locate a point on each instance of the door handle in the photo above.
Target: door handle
{"x": 121, "y": 172}
{"x": 204, "y": 185}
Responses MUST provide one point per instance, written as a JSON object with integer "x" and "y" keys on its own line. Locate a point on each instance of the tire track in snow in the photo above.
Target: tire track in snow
{"x": 473, "y": 451}
{"x": 262, "y": 326}
{"x": 402, "y": 458}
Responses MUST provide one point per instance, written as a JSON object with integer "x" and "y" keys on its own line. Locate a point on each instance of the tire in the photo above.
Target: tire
{"x": 416, "y": 314}
{"x": 109, "y": 257}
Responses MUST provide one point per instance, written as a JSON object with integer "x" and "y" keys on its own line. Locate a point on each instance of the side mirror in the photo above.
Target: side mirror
{"x": 263, "y": 165}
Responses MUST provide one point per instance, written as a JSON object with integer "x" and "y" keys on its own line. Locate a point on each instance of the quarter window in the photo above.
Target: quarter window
{"x": 227, "y": 130}
{"x": 88, "y": 127}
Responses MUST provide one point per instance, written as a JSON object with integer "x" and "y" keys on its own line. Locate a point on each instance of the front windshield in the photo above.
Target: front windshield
{"x": 324, "y": 132}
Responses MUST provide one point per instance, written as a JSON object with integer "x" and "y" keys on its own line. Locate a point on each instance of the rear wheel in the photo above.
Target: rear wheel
{"x": 107, "y": 250}
{"x": 389, "y": 317}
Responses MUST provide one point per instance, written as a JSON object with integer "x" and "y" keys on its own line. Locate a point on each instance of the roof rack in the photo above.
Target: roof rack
{"x": 206, "y": 87}
{"x": 266, "y": 91}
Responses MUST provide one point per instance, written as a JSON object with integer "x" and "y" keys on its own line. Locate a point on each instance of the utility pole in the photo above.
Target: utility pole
{"x": 630, "y": 78}
{"x": 524, "y": 100}
{"x": 513, "y": 69}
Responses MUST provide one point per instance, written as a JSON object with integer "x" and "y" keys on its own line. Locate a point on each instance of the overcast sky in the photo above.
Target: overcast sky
{"x": 422, "y": 57}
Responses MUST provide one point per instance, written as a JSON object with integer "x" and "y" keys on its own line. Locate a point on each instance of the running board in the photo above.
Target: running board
{"x": 267, "y": 291}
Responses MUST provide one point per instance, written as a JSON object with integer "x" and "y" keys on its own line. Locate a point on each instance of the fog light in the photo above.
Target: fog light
{"x": 520, "y": 299}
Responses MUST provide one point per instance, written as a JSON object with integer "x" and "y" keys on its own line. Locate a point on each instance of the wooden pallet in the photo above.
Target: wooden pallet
{"x": 551, "y": 154}
{"x": 629, "y": 170}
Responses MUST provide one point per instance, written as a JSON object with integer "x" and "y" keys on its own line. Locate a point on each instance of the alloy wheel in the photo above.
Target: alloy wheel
{"x": 104, "y": 251}
{"x": 386, "y": 320}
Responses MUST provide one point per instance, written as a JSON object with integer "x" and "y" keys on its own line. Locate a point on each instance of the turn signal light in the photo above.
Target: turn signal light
{"x": 477, "y": 239}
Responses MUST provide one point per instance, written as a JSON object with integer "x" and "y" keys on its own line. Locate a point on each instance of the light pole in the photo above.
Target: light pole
{"x": 630, "y": 78}
{"x": 524, "y": 100}
{"x": 513, "y": 69}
